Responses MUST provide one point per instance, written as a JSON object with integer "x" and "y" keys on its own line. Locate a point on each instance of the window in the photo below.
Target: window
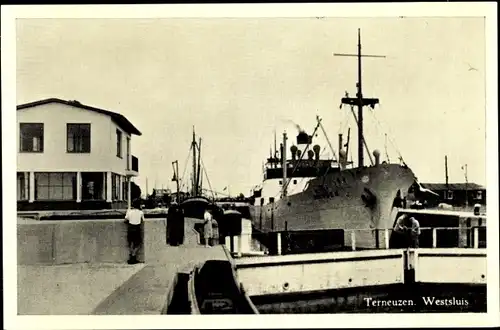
{"x": 479, "y": 195}
{"x": 125, "y": 189}
{"x": 115, "y": 186}
{"x": 128, "y": 153}
{"x": 280, "y": 182}
{"x": 23, "y": 191}
{"x": 93, "y": 185}
{"x": 294, "y": 181}
{"x": 78, "y": 138}
{"x": 55, "y": 186}
{"x": 31, "y": 135}
{"x": 118, "y": 143}
{"x": 449, "y": 194}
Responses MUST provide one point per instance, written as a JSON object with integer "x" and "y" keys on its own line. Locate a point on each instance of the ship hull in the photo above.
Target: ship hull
{"x": 360, "y": 198}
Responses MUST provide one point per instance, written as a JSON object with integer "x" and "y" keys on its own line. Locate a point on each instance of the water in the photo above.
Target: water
{"x": 400, "y": 298}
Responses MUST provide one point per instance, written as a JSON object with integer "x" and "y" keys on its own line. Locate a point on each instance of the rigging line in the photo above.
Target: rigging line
{"x": 391, "y": 141}
{"x": 364, "y": 140}
{"x": 327, "y": 140}
{"x": 185, "y": 163}
{"x": 345, "y": 125}
{"x": 343, "y": 122}
{"x": 379, "y": 129}
{"x": 206, "y": 175}
{"x": 322, "y": 153}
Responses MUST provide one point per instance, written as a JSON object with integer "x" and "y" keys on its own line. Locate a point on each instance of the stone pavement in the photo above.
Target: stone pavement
{"x": 110, "y": 289}
{"x": 146, "y": 291}
{"x": 73, "y": 289}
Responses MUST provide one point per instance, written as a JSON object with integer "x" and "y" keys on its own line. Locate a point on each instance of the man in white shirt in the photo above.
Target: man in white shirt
{"x": 134, "y": 218}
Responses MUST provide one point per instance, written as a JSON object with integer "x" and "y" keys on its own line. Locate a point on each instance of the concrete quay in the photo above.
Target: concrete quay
{"x": 79, "y": 267}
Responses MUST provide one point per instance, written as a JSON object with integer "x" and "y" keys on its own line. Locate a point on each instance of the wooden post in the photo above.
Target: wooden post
{"x": 353, "y": 240}
{"x": 434, "y": 237}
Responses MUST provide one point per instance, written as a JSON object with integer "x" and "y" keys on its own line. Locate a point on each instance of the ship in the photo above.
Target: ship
{"x": 307, "y": 193}
{"x": 196, "y": 200}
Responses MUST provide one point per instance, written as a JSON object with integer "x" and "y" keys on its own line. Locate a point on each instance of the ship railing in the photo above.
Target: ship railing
{"x": 307, "y": 241}
{"x": 429, "y": 237}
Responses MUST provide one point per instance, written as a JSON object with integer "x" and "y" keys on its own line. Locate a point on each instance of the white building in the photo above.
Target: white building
{"x": 72, "y": 156}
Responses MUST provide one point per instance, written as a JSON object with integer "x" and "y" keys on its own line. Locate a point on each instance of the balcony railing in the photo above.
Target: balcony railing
{"x": 135, "y": 164}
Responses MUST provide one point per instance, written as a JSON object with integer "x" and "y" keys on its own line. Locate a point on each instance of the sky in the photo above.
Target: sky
{"x": 239, "y": 80}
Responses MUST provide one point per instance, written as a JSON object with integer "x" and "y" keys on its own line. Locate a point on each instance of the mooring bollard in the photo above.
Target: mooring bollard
{"x": 353, "y": 240}
{"x": 386, "y": 237}
{"x": 278, "y": 240}
{"x": 434, "y": 237}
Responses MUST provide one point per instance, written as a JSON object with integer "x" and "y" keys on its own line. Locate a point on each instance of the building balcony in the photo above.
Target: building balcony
{"x": 134, "y": 169}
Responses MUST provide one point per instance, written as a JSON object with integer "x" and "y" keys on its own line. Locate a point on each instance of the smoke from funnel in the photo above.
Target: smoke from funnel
{"x": 300, "y": 129}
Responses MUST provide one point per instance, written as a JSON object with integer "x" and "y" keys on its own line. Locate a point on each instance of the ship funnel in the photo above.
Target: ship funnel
{"x": 376, "y": 154}
{"x": 293, "y": 150}
{"x": 303, "y": 138}
{"x": 310, "y": 154}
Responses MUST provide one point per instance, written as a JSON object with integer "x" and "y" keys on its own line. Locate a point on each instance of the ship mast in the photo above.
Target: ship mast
{"x": 359, "y": 101}
{"x": 195, "y": 169}
{"x": 446, "y": 172}
{"x": 198, "y": 170}
{"x": 284, "y": 167}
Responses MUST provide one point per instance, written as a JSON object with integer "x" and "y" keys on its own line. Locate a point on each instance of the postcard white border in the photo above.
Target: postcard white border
{"x": 442, "y": 9}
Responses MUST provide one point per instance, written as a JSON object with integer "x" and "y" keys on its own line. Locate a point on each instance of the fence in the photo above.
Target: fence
{"x": 296, "y": 242}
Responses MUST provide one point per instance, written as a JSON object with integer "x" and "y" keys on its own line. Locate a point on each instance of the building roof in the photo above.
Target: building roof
{"x": 453, "y": 186}
{"x": 119, "y": 119}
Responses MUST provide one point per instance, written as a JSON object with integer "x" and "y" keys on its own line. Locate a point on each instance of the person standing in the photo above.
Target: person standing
{"x": 134, "y": 219}
{"x": 208, "y": 227}
{"x": 171, "y": 215}
{"x": 409, "y": 229}
{"x": 175, "y": 225}
{"x": 179, "y": 226}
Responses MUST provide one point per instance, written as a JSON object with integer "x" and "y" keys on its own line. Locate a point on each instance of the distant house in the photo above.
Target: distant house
{"x": 161, "y": 192}
{"x": 72, "y": 156}
{"x": 452, "y": 193}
